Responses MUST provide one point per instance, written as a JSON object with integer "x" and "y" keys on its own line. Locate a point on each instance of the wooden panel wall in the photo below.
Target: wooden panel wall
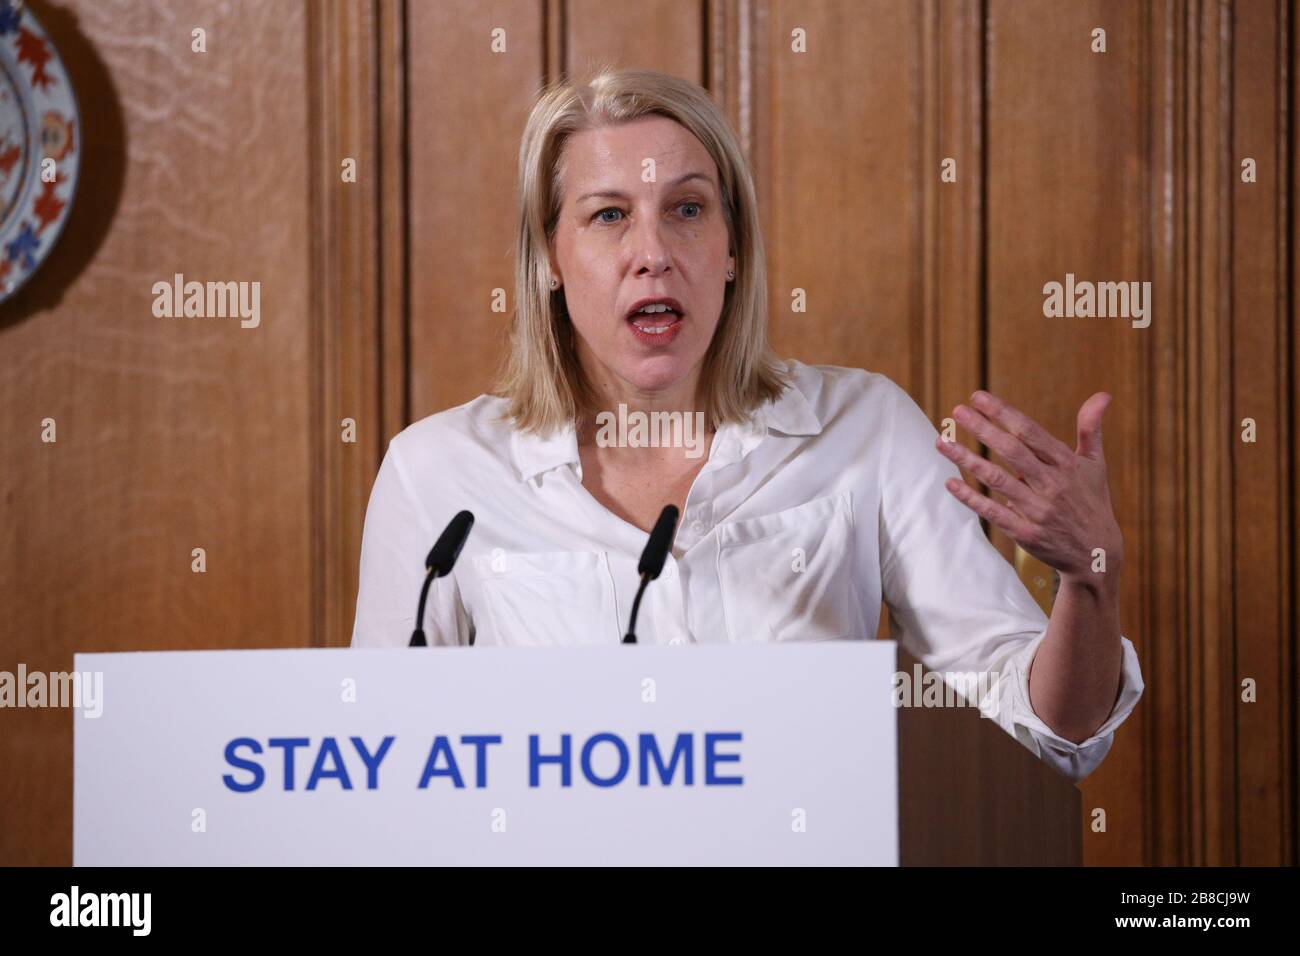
{"x": 1068, "y": 179}
{"x": 1259, "y": 795}
{"x": 1122, "y": 166}
{"x": 172, "y": 434}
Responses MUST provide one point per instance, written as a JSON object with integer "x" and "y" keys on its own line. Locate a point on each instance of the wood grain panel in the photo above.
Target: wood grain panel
{"x": 1261, "y": 471}
{"x": 359, "y": 265}
{"x": 1211, "y": 729}
{"x": 737, "y": 75}
{"x": 173, "y": 434}
{"x": 971, "y": 795}
{"x": 1291, "y": 76}
{"x": 844, "y": 220}
{"x": 468, "y": 107}
{"x": 1165, "y": 421}
{"x": 953, "y": 314}
{"x": 394, "y": 225}
{"x": 1067, "y": 176}
{"x": 667, "y": 35}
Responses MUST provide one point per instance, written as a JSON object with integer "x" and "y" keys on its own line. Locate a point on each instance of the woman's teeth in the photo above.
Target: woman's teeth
{"x": 654, "y": 326}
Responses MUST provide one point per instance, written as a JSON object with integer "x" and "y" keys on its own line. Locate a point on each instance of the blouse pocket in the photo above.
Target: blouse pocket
{"x": 559, "y": 598}
{"x": 789, "y": 576}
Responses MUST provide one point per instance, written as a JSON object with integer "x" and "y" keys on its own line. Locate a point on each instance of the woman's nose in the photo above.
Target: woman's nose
{"x": 650, "y": 250}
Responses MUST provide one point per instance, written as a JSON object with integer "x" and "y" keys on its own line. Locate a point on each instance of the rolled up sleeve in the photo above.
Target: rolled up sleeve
{"x": 1075, "y": 760}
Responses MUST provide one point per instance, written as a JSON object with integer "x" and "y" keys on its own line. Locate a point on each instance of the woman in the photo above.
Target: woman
{"x": 808, "y": 494}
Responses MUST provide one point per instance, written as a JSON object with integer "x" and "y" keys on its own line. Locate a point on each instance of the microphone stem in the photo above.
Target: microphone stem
{"x": 417, "y": 636}
{"x": 630, "y": 637}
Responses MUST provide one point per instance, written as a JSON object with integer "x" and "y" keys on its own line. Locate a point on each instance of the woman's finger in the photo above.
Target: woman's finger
{"x": 1020, "y": 530}
{"x": 1012, "y": 450}
{"x": 1032, "y": 435}
{"x": 1089, "y": 425}
{"x": 994, "y": 477}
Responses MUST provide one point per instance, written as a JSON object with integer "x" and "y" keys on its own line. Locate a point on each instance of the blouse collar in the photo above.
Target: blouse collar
{"x": 790, "y": 413}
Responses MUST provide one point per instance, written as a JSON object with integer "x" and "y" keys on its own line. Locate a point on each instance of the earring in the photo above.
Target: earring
{"x": 730, "y": 274}
{"x": 554, "y": 282}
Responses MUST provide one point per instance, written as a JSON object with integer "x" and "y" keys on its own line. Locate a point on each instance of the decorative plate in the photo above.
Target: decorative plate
{"x": 38, "y": 121}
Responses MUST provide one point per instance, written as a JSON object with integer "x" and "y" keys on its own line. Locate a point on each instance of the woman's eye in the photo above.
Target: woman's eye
{"x": 603, "y": 215}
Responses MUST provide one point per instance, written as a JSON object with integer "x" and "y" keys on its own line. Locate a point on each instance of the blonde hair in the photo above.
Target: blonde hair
{"x": 542, "y": 377}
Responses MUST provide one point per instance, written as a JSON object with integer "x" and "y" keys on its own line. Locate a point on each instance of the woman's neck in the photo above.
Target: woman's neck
{"x": 646, "y": 428}
{"x": 615, "y": 403}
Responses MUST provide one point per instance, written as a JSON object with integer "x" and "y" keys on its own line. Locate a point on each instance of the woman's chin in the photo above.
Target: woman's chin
{"x": 656, "y": 373}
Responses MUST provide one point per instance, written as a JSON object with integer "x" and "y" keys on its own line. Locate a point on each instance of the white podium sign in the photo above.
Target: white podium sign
{"x": 762, "y": 754}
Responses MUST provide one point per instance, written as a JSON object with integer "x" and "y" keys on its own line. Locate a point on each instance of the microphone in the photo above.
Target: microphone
{"x": 652, "y": 561}
{"x": 442, "y": 558}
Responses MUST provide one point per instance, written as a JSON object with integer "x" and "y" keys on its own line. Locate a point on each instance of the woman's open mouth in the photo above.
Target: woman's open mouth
{"x": 655, "y": 322}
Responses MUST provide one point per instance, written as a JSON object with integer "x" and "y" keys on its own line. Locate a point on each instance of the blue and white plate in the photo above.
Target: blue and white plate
{"x": 38, "y": 121}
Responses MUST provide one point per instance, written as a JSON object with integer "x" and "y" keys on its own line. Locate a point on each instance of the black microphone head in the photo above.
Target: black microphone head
{"x": 661, "y": 541}
{"x": 445, "y": 551}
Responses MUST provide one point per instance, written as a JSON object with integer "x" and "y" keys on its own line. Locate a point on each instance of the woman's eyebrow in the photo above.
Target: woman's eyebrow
{"x": 616, "y": 194}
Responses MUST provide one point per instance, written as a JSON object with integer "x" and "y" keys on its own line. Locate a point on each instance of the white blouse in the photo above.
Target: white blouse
{"x": 798, "y": 525}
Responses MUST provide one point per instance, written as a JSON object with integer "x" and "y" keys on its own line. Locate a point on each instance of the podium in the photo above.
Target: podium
{"x": 695, "y": 754}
